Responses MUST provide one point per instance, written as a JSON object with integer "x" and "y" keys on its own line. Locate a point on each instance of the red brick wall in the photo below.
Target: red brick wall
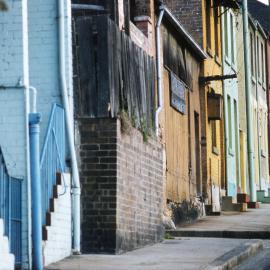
{"x": 189, "y": 13}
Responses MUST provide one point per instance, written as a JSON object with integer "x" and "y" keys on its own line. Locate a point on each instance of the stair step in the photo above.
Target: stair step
{"x": 4, "y": 245}
{"x": 243, "y": 198}
{"x": 253, "y": 205}
{"x": 229, "y": 205}
{"x": 1, "y": 227}
{"x": 7, "y": 261}
{"x": 261, "y": 197}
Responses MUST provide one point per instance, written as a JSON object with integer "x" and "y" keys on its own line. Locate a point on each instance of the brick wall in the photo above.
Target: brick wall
{"x": 186, "y": 9}
{"x": 122, "y": 188}
{"x": 58, "y": 244}
{"x": 139, "y": 191}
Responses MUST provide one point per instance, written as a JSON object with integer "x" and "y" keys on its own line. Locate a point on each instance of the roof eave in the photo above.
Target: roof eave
{"x": 179, "y": 27}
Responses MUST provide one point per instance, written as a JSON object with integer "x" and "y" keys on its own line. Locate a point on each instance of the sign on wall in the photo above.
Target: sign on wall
{"x": 214, "y": 105}
{"x": 178, "y": 93}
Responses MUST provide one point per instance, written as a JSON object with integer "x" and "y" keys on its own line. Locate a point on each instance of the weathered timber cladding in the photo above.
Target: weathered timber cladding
{"x": 122, "y": 185}
{"x": 174, "y": 56}
{"x": 112, "y": 73}
{"x": 110, "y": 8}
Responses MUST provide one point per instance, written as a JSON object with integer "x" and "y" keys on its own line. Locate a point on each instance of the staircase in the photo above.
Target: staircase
{"x": 229, "y": 205}
{"x": 56, "y": 233}
{"x": 261, "y": 196}
{"x": 7, "y": 260}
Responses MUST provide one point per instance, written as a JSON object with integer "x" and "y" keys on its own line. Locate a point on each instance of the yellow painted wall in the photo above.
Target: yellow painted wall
{"x": 213, "y": 163}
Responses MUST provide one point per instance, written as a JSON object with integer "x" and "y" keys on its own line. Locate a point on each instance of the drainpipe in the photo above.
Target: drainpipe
{"x": 159, "y": 75}
{"x": 76, "y": 190}
{"x": 253, "y": 195}
{"x": 257, "y": 111}
{"x": 34, "y": 99}
{"x": 34, "y": 120}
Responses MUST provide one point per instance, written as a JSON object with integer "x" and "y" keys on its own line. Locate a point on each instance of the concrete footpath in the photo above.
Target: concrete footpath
{"x": 223, "y": 246}
{"x": 175, "y": 254}
{"x": 253, "y": 224}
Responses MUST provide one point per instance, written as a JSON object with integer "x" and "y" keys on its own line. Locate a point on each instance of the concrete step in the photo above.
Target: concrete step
{"x": 261, "y": 197}
{"x": 209, "y": 210}
{"x": 228, "y": 205}
{"x": 1, "y": 227}
{"x": 243, "y": 198}
{"x": 7, "y": 261}
{"x": 248, "y": 234}
{"x": 253, "y": 205}
{"x": 4, "y": 245}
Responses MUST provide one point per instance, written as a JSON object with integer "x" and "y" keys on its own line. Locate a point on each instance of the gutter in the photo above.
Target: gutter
{"x": 76, "y": 190}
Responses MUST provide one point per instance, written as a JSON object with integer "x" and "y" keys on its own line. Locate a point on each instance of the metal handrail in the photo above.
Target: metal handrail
{"x": 11, "y": 209}
{"x": 52, "y": 156}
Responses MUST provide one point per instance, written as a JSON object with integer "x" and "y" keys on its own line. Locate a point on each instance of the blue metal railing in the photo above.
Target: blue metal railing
{"x": 11, "y": 209}
{"x": 52, "y": 156}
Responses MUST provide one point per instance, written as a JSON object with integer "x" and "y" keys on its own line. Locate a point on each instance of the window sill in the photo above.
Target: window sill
{"x": 209, "y": 51}
{"x": 217, "y": 59}
{"x": 215, "y": 151}
{"x": 231, "y": 152}
{"x": 227, "y": 60}
{"x": 263, "y": 154}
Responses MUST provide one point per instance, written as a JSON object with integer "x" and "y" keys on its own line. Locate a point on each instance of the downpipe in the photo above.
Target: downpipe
{"x": 159, "y": 76}
{"x": 253, "y": 195}
{"x": 34, "y": 130}
{"x": 76, "y": 190}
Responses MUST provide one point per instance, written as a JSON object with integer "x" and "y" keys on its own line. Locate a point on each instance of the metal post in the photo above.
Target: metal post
{"x": 252, "y": 187}
{"x": 34, "y": 120}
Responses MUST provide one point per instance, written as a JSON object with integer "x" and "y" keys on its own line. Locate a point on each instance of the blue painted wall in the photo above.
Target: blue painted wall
{"x": 29, "y": 55}
{"x": 231, "y": 111}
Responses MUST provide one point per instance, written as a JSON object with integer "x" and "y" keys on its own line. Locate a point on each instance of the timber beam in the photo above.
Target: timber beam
{"x": 207, "y": 79}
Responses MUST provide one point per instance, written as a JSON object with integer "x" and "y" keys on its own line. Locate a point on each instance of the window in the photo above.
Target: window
{"x": 226, "y": 34}
{"x": 217, "y": 26}
{"x": 214, "y": 134}
{"x": 208, "y": 23}
{"x": 263, "y": 63}
{"x": 252, "y": 54}
{"x": 229, "y": 120}
{"x": 235, "y": 125}
{"x": 258, "y": 59}
{"x": 232, "y": 39}
{"x": 132, "y": 9}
